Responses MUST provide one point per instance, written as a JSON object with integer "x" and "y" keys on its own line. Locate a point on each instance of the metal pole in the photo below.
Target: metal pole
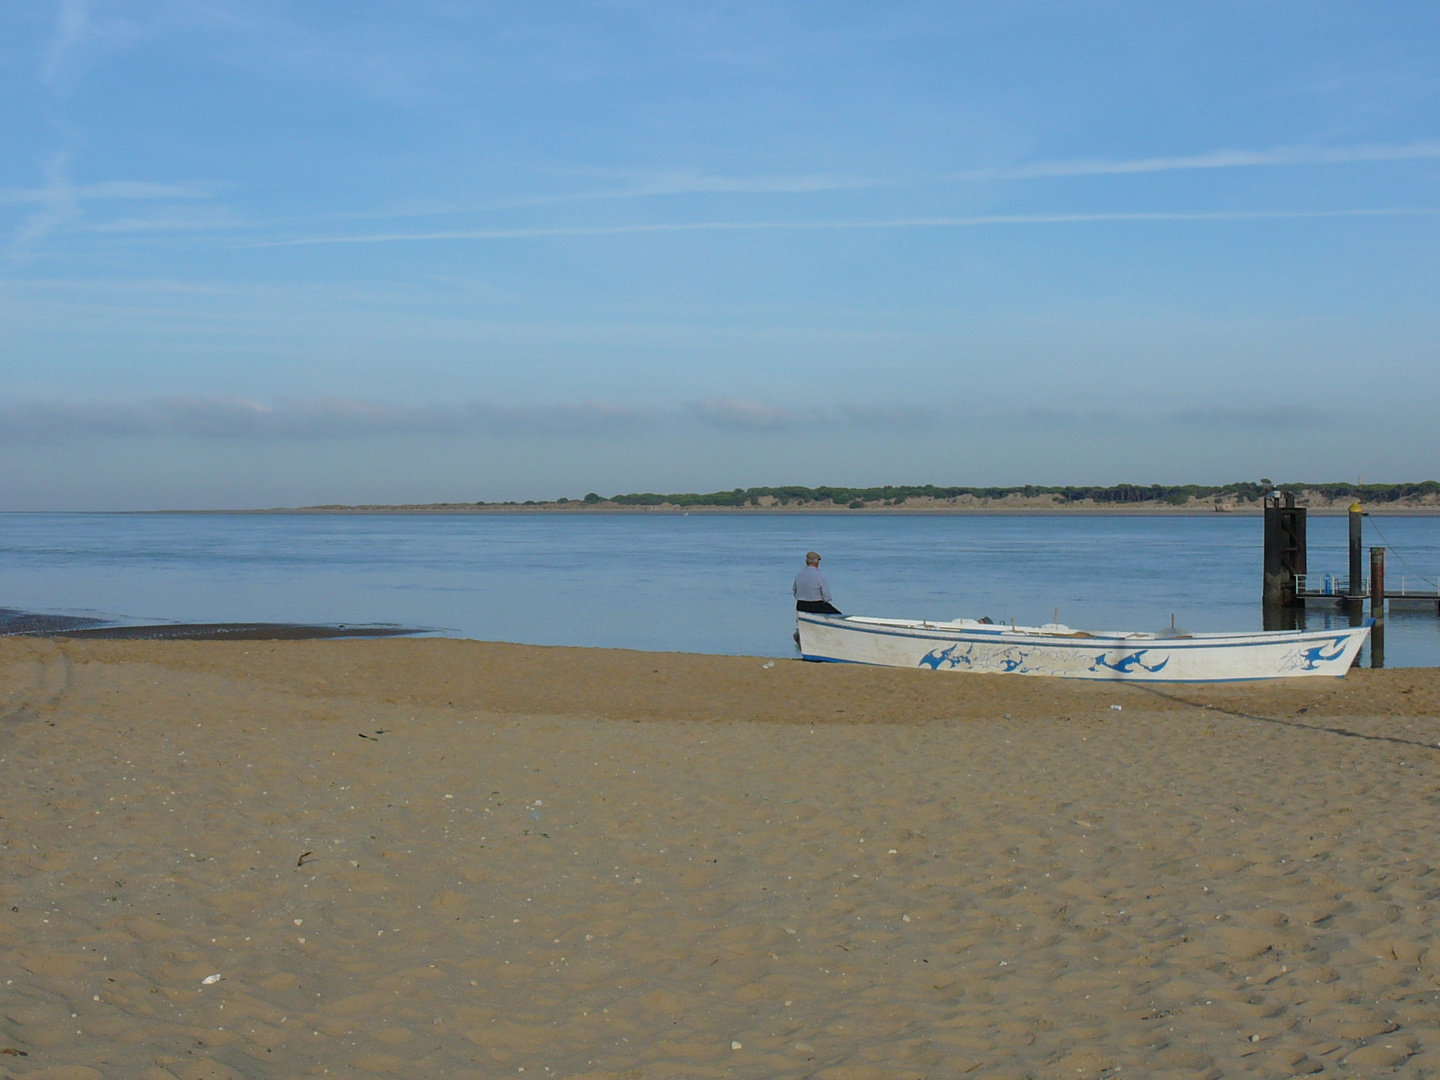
{"x": 1377, "y": 607}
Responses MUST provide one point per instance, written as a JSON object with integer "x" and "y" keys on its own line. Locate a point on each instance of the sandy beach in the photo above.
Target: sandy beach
{"x": 440, "y": 858}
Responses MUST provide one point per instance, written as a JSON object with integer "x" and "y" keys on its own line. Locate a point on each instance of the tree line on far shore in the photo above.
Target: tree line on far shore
{"x": 890, "y": 495}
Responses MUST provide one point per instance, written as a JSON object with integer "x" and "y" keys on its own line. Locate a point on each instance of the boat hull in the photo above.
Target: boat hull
{"x": 966, "y": 646}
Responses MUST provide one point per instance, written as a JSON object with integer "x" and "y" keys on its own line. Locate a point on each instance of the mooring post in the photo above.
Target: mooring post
{"x": 1284, "y": 549}
{"x": 1272, "y": 594}
{"x": 1377, "y": 607}
{"x": 1357, "y": 571}
{"x": 1293, "y": 558}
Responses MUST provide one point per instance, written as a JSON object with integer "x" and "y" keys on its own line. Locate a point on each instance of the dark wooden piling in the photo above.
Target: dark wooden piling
{"x": 1284, "y": 549}
{"x": 1377, "y": 582}
{"x": 1357, "y": 568}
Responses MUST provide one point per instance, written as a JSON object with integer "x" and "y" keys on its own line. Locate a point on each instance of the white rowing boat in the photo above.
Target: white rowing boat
{"x": 1056, "y": 650}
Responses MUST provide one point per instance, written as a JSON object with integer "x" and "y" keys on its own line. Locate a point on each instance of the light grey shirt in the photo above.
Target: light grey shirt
{"x": 810, "y": 584}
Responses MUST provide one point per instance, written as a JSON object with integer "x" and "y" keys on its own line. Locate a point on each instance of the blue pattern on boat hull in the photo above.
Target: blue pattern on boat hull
{"x": 1126, "y": 664}
{"x": 982, "y": 649}
{"x": 1016, "y": 659}
{"x": 935, "y": 659}
{"x": 1012, "y": 660}
{"x": 1316, "y": 655}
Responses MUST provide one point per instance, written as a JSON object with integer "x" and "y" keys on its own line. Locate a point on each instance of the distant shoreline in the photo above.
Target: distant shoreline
{"x": 1243, "y": 497}
{"x": 1185, "y": 500}
{"x": 582, "y": 510}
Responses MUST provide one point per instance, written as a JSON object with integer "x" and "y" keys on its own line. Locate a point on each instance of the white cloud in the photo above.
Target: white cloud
{"x": 1212, "y": 418}
{"x": 679, "y": 182}
{"x": 60, "y": 187}
{"x": 660, "y": 185}
{"x": 213, "y": 417}
{"x": 1289, "y": 418}
{"x": 189, "y": 221}
{"x": 87, "y": 31}
{"x": 298, "y": 418}
{"x": 57, "y": 207}
{"x": 219, "y": 417}
{"x": 67, "y": 41}
{"x": 1422, "y": 150}
{"x": 971, "y": 221}
{"x": 735, "y": 413}
{"x": 60, "y": 202}
{"x": 690, "y": 183}
{"x": 905, "y": 417}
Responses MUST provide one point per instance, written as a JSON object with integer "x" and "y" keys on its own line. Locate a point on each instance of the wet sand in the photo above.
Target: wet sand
{"x": 424, "y": 858}
{"x": 40, "y": 624}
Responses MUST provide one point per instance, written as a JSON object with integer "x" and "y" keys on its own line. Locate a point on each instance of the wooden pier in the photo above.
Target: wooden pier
{"x": 1288, "y": 585}
{"x": 1395, "y": 600}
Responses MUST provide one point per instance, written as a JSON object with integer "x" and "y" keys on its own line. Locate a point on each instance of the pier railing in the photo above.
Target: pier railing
{"x": 1338, "y": 586}
{"x": 1328, "y": 585}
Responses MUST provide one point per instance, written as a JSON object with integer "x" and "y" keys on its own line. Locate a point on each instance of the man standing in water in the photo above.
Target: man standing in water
{"x": 812, "y": 591}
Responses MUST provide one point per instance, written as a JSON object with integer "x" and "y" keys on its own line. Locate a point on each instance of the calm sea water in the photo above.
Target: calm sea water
{"x": 716, "y": 583}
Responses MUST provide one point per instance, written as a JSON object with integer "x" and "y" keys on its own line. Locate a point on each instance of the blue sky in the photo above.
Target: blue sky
{"x": 274, "y": 253}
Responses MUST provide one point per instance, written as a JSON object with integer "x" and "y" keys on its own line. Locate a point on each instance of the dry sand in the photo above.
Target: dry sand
{"x": 453, "y": 859}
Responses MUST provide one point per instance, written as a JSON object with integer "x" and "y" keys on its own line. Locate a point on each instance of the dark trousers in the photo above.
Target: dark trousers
{"x": 817, "y": 607}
